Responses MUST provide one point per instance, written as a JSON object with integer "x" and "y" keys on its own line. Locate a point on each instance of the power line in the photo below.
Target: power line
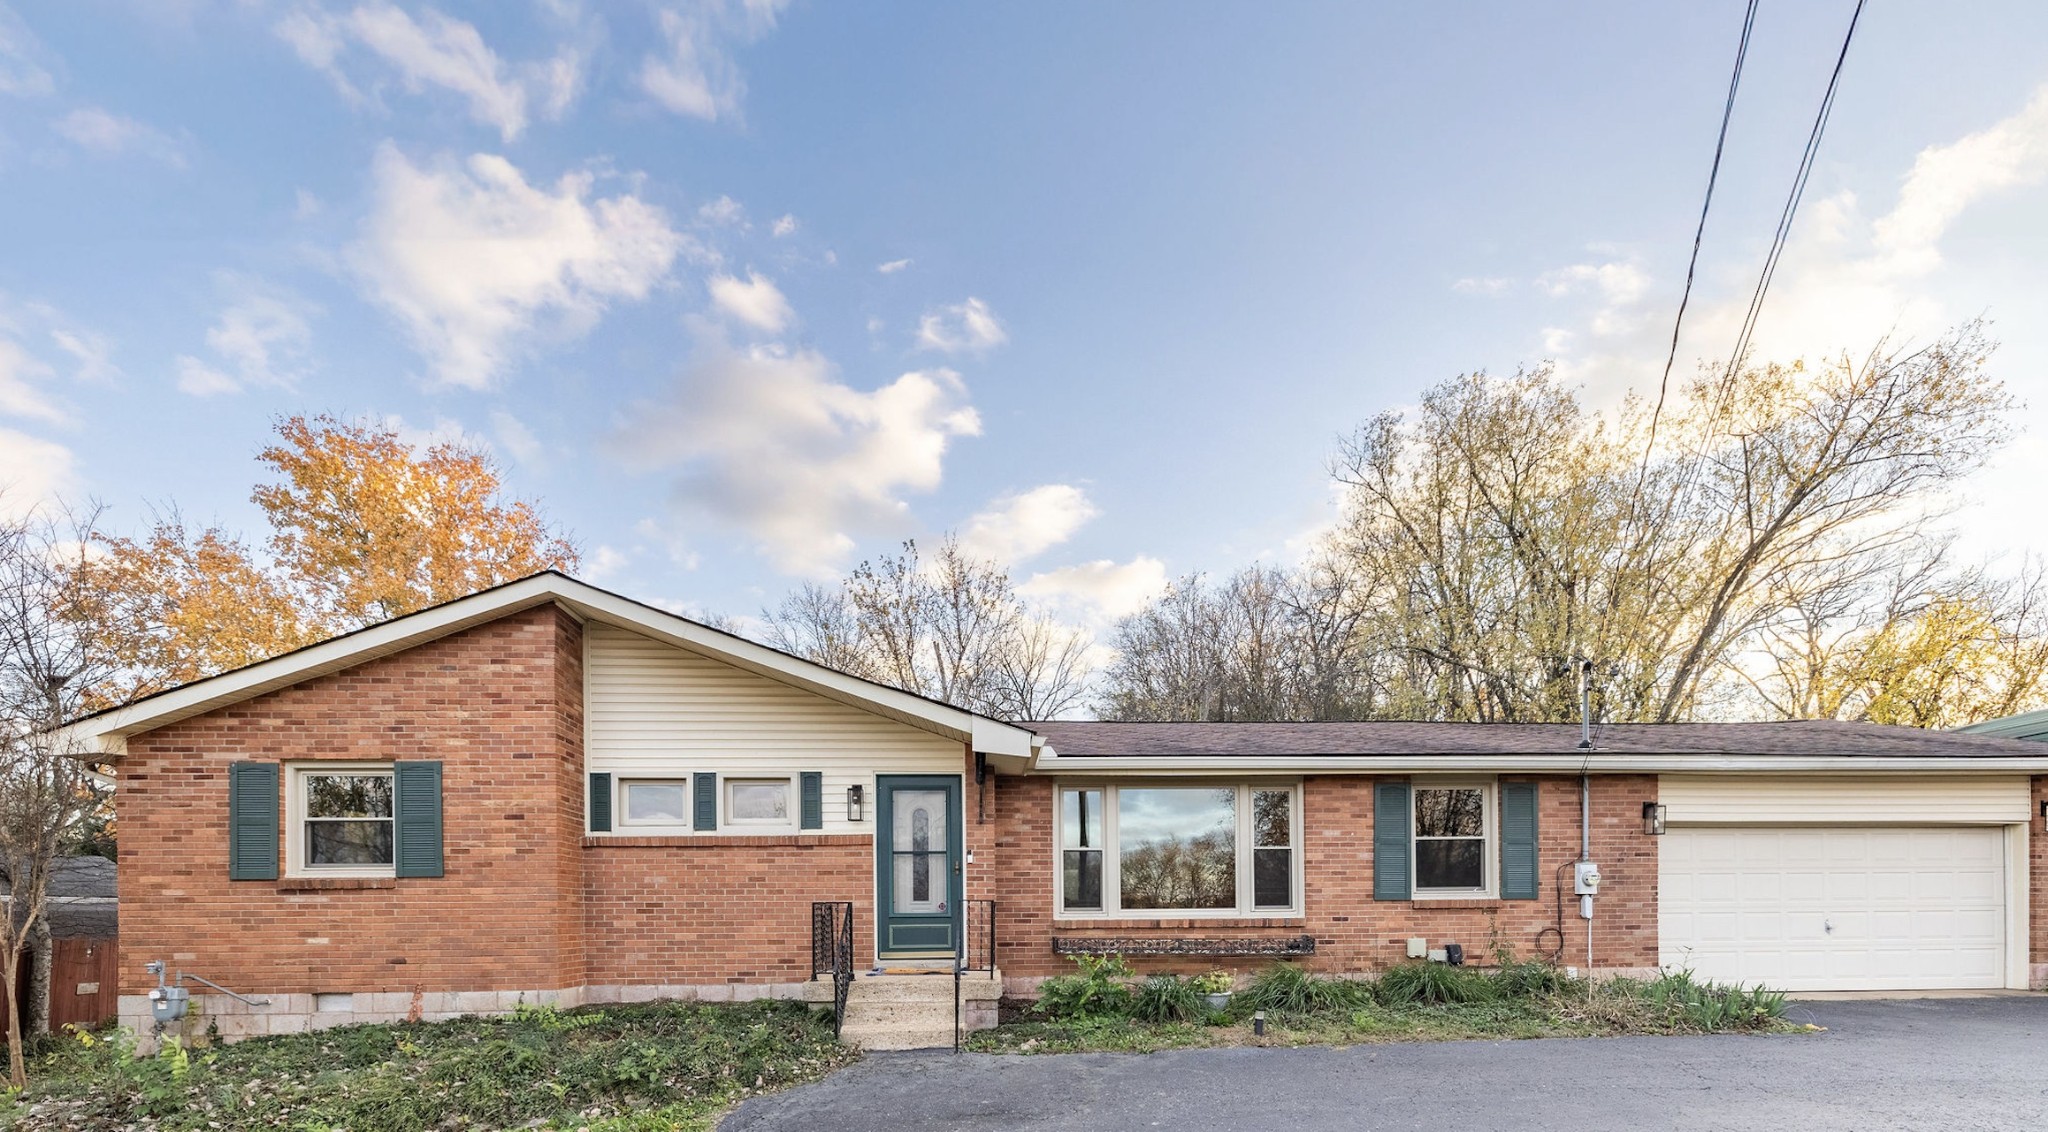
{"x": 1820, "y": 125}
{"x": 1713, "y": 174}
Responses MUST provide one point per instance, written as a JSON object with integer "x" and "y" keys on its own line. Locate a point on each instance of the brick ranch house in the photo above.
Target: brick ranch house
{"x": 546, "y": 792}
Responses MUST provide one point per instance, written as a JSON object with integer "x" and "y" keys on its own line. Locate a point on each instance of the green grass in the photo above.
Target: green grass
{"x": 1411, "y": 1002}
{"x": 637, "y": 1068}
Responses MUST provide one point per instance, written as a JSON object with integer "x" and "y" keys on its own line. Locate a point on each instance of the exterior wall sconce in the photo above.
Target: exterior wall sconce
{"x": 1653, "y": 819}
{"x": 855, "y": 796}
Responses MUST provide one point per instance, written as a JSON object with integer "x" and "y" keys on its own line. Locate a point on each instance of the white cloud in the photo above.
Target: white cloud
{"x": 697, "y": 77}
{"x": 771, "y": 442}
{"x": 1482, "y": 285}
{"x": 33, "y": 472}
{"x": 723, "y": 211}
{"x": 968, "y": 327}
{"x": 1617, "y": 282}
{"x": 1097, "y": 593}
{"x": 21, "y": 377}
{"x": 515, "y": 438}
{"x": 785, "y": 225}
{"x": 1016, "y": 527}
{"x": 107, "y": 134}
{"x": 1947, "y": 179}
{"x": 893, "y": 266}
{"x": 20, "y": 72}
{"x": 92, "y": 352}
{"x": 754, "y": 301}
{"x": 261, "y": 339}
{"x": 470, "y": 256}
{"x": 432, "y": 51}
{"x": 603, "y": 563}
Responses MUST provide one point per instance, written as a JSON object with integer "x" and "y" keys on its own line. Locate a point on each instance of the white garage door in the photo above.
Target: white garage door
{"x": 1856, "y": 908}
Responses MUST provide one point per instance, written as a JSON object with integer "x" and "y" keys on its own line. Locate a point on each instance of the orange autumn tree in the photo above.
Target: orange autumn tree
{"x": 366, "y": 528}
{"x": 363, "y": 527}
{"x": 179, "y": 604}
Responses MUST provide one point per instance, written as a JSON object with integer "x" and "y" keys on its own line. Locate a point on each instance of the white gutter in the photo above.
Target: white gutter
{"x": 1597, "y": 763}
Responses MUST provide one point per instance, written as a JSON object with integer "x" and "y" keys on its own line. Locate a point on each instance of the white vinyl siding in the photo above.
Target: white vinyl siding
{"x": 653, "y": 710}
{"x": 1757, "y": 799}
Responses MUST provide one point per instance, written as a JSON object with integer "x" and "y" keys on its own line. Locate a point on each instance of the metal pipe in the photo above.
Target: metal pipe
{"x": 231, "y": 994}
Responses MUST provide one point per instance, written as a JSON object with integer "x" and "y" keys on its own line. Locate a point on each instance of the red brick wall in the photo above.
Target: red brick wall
{"x": 1354, "y": 932}
{"x": 2037, "y": 877}
{"x": 494, "y": 704}
{"x": 698, "y": 910}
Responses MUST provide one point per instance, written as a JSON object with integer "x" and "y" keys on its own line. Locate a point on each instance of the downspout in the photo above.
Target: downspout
{"x": 1586, "y": 792}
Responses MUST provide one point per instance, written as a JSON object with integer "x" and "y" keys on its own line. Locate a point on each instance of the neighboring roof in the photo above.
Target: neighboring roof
{"x": 74, "y": 877}
{"x": 107, "y": 731}
{"x": 89, "y": 919}
{"x": 1801, "y": 744}
{"x": 2028, "y": 725}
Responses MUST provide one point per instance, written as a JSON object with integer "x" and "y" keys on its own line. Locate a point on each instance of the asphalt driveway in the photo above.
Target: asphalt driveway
{"x": 1920, "y": 1064}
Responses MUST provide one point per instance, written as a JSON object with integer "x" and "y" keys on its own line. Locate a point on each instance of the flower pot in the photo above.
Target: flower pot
{"x": 1218, "y": 1002}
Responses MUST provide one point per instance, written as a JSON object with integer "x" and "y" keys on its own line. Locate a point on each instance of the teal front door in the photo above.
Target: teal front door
{"x": 917, "y": 864}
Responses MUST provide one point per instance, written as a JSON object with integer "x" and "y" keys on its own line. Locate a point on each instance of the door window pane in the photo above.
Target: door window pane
{"x": 1177, "y": 848}
{"x": 923, "y": 863}
{"x": 757, "y": 800}
{"x": 656, "y": 802}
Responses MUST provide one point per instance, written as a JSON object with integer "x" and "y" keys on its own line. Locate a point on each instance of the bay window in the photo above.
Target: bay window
{"x": 1187, "y": 849}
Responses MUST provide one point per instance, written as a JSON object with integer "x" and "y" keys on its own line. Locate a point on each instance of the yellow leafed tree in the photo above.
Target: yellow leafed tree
{"x": 368, "y": 529}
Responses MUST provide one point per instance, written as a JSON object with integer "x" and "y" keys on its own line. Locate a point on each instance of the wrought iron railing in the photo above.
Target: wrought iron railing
{"x": 832, "y": 952}
{"x": 977, "y": 952}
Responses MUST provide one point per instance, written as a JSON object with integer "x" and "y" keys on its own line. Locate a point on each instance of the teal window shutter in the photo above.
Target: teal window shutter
{"x": 600, "y": 802}
{"x": 416, "y": 817}
{"x": 812, "y": 806}
{"x": 1518, "y": 841}
{"x": 1392, "y": 848}
{"x": 704, "y": 791}
{"x": 252, "y": 821}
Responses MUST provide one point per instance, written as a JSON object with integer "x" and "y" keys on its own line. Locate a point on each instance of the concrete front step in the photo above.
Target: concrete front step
{"x": 911, "y": 1011}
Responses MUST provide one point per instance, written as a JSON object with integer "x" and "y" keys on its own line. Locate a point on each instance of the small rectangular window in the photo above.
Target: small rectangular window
{"x": 348, "y": 819}
{"x": 757, "y": 801}
{"x": 1451, "y": 825}
{"x": 1081, "y": 850}
{"x": 656, "y": 802}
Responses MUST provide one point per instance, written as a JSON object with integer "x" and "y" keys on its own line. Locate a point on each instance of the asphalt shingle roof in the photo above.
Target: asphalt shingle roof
{"x": 1800, "y": 737}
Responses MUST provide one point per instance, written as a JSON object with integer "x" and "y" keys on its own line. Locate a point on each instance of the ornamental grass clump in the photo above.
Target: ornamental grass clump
{"x": 1168, "y": 998}
{"x": 1434, "y": 984}
{"x": 1286, "y": 989}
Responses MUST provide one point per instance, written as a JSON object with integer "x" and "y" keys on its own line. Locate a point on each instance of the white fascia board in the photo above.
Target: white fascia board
{"x": 1176, "y": 766}
{"x": 107, "y": 733}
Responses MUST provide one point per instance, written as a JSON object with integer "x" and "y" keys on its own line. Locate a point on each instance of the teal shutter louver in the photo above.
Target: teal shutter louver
{"x": 416, "y": 818}
{"x": 252, "y": 821}
{"x": 704, "y": 793}
{"x": 1392, "y": 849}
{"x": 600, "y": 802}
{"x": 812, "y": 804}
{"x": 1518, "y": 841}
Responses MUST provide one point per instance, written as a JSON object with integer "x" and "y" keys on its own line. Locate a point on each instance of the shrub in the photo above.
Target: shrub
{"x": 1286, "y": 989}
{"x": 1168, "y": 998}
{"x": 1100, "y": 990}
{"x": 1530, "y": 979}
{"x": 1215, "y": 982}
{"x": 1434, "y": 984}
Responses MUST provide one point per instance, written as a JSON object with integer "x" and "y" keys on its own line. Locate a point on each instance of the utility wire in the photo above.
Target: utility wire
{"x": 1820, "y": 125}
{"x": 1713, "y": 173}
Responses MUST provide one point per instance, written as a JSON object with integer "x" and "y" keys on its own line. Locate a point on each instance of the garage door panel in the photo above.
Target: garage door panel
{"x": 1841, "y": 908}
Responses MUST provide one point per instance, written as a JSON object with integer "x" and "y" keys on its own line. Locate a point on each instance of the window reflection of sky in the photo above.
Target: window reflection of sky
{"x": 1146, "y": 816}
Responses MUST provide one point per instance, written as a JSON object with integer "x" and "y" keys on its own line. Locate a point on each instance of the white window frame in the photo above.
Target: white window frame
{"x": 1112, "y": 853}
{"x": 1489, "y": 850}
{"x": 623, "y": 815}
{"x": 295, "y": 847}
{"x": 790, "y": 802}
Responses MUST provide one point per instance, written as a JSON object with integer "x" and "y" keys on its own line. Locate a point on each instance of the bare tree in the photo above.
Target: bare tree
{"x": 51, "y": 649}
{"x": 950, "y": 627}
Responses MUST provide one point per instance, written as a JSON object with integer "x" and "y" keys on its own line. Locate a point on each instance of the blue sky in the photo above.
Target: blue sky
{"x": 745, "y": 291}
